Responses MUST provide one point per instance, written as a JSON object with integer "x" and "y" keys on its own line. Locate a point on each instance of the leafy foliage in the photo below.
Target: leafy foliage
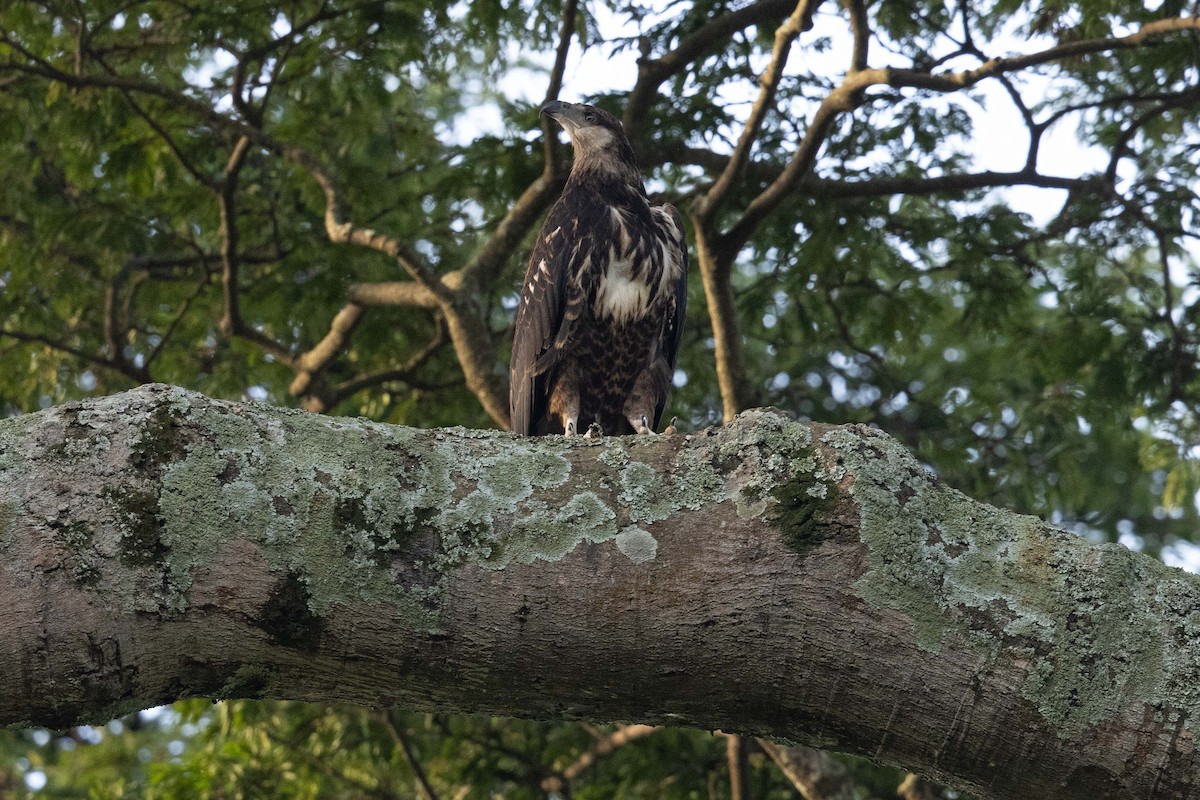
{"x": 1042, "y": 360}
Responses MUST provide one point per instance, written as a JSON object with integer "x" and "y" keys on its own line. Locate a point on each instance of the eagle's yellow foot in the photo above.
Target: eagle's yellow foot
{"x": 594, "y": 431}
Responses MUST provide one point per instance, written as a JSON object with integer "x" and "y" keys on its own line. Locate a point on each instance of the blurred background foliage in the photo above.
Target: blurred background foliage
{"x": 1037, "y": 349}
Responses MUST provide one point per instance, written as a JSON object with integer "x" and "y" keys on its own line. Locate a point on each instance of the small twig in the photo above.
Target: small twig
{"x": 134, "y": 373}
{"x": 815, "y": 775}
{"x": 405, "y": 373}
{"x": 604, "y": 747}
{"x": 179, "y": 315}
{"x": 735, "y": 756}
{"x": 405, "y": 747}
{"x": 232, "y": 323}
{"x": 566, "y": 31}
{"x": 768, "y": 82}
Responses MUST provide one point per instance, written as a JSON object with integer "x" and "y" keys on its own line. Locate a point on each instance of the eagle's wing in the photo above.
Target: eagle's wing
{"x": 550, "y": 305}
{"x": 672, "y": 333}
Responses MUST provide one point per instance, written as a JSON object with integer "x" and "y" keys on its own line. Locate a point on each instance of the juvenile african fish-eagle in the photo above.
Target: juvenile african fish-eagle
{"x": 603, "y": 300}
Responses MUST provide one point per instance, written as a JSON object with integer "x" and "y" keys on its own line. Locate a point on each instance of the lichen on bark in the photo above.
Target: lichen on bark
{"x": 1086, "y": 620}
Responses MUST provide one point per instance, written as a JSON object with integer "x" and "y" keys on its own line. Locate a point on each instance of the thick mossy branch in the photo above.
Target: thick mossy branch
{"x": 770, "y": 577}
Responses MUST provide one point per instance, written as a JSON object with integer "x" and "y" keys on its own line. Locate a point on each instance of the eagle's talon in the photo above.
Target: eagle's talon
{"x": 670, "y": 430}
{"x": 570, "y": 431}
{"x": 644, "y": 428}
{"x": 594, "y": 431}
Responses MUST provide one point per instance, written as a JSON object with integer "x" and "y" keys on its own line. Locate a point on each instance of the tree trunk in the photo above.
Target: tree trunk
{"x": 804, "y": 582}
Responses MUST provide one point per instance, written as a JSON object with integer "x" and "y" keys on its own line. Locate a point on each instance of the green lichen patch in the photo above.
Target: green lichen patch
{"x": 1086, "y": 620}
{"x": 546, "y": 533}
{"x": 362, "y": 513}
{"x": 637, "y": 545}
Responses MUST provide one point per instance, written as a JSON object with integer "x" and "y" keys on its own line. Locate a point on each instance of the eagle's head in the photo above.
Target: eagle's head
{"x": 597, "y": 138}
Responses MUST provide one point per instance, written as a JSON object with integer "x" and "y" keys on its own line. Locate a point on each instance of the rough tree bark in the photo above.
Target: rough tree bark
{"x": 806, "y": 582}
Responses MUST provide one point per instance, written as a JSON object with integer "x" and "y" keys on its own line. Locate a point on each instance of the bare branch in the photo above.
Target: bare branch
{"x": 769, "y": 199}
{"x": 728, "y": 354}
{"x": 486, "y": 378}
{"x": 735, "y": 758}
{"x": 860, "y": 29}
{"x": 768, "y": 82}
{"x": 549, "y": 134}
{"x": 232, "y": 323}
{"x": 114, "y": 328}
{"x": 313, "y": 361}
{"x": 652, "y": 73}
{"x": 605, "y": 745}
{"x": 406, "y": 373}
{"x": 884, "y": 185}
{"x": 342, "y": 231}
{"x": 485, "y": 268}
{"x": 393, "y": 293}
{"x": 849, "y": 95}
{"x": 134, "y": 373}
{"x": 815, "y": 775}
{"x": 388, "y": 718}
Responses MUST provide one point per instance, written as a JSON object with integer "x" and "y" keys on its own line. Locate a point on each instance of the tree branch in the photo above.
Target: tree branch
{"x": 405, "y": 373}
{"x": 115, "y": 328}
{"x": 549, "y": 132}
{"x": 232, "y": 323}
{"x": 468, "y": 330}
{"x": 715, "y": 267}
{"x": 849, "y": 95}
{"x": 604, "y": 747}
{"x": 860, "y": 31}
{"x": 135, "y": 374}
{"x": 817, "y": 584}
{"x": 653, "y": 72}
{"x": 815, "y": 775}
{"x": 312, "y": 362}
{"x": 175, "y": 320}
{"x": 768, "y": 82}
{"x": 735, "y": 759}
{"x": 396, "y": 730}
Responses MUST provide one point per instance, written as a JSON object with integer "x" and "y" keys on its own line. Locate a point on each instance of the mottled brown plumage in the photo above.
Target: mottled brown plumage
{"x": 604, "y": 296}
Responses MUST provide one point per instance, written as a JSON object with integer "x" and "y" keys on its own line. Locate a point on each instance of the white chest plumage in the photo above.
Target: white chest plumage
{"x": 621, "y": 297}
{"x": 625, "y": 294}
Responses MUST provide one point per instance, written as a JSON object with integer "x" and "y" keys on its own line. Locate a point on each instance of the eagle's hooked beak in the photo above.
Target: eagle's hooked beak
{"x": 555, "y": 109}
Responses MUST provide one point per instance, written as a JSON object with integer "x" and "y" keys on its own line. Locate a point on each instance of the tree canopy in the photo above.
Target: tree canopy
{"x": 328, "y": 204}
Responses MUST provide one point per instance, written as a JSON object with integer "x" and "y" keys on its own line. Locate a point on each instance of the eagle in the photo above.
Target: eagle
{"x": 603, "y": 300}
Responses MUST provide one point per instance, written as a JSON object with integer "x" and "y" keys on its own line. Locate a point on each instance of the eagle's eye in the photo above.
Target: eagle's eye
{"x": 589, "y": 117}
